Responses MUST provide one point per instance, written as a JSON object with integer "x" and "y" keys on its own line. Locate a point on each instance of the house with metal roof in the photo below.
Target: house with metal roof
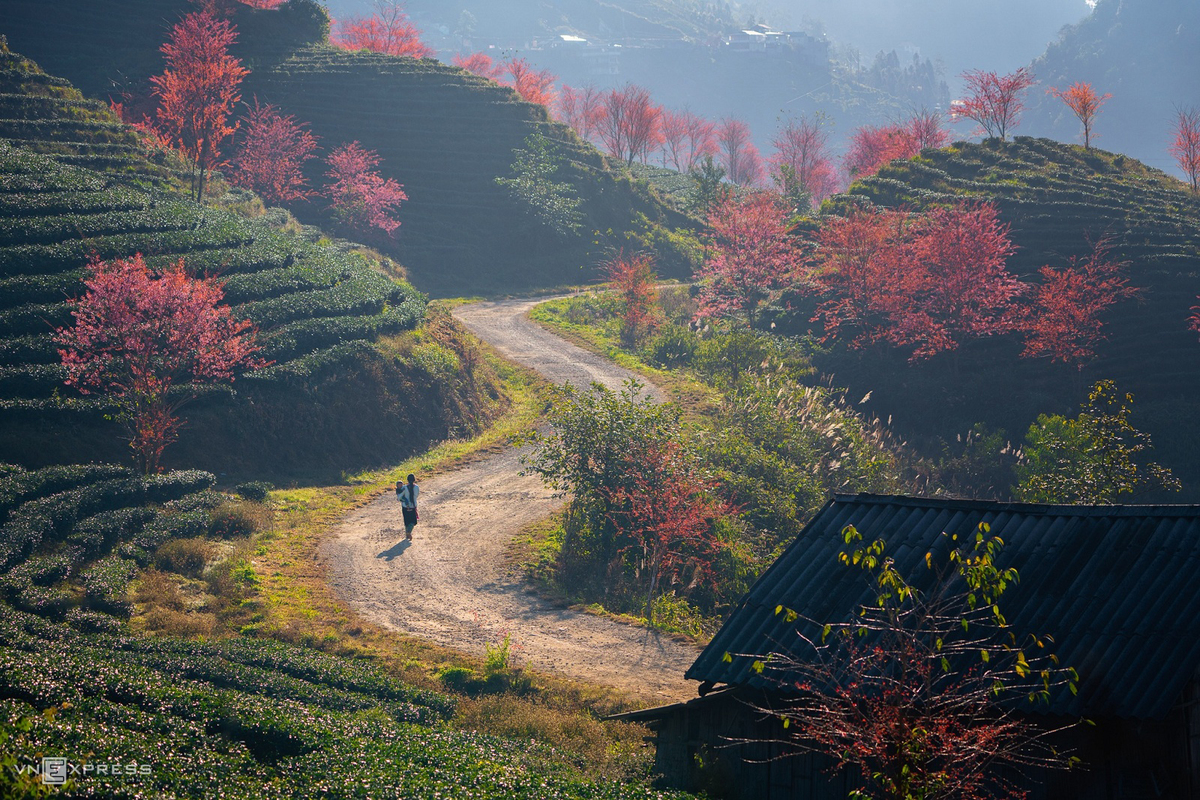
{"x": 1118, "y": 588}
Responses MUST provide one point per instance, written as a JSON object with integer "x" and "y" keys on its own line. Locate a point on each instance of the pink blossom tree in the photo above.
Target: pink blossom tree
{"x": 271, "y": 155}
{"x": 1063, "y": 321}
{"x": 359, "y": 197}
{"x": 752, "y": 256}
{"x": 993, "y": 101}
{"x": 141, "y": 337}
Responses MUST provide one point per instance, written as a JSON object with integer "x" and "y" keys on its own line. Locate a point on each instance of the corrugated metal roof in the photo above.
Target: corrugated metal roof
{"x": 1118, "y": 587}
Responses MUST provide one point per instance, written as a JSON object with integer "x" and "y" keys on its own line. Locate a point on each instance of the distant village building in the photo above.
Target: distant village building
{"x": 797, "y": 46}
{"x": 1118, "y": 587}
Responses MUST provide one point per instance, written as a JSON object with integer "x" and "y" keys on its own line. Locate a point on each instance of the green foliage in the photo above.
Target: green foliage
{"x": 553, "y": 203}
{"x": 709, "y": 186}
{"x": 1090, "y": 459}
{"x": 255, "y": 491}
{"x": 672, "y": 347}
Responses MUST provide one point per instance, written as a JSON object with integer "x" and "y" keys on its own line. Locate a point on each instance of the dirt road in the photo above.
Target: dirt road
{"x": 449, "y": 585}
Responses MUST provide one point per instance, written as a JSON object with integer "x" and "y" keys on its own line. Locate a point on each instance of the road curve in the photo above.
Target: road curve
{"x": 449, "y": 584}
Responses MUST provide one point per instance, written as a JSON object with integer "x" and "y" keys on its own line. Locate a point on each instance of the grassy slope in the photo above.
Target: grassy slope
{"x": 1055, "y": 196}
{"x": 446, "y": 135}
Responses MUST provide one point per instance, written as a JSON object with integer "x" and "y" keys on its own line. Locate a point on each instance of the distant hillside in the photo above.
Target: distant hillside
{"x": 1054, "y": 196}
{"x": 443, "y": 133}
{"x": 524, "y": 20}
{"x": 1146, "y": 53}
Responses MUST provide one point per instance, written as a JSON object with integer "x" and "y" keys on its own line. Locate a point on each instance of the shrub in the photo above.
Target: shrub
{"x": 184, "y": 556}
{"x": 255, "y": 491}
{"x": 238, "y": 519}
{"x": 92, "y": 621}
{"x": 674, "y": 346}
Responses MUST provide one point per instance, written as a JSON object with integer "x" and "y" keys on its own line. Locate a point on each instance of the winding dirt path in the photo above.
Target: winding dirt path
{"x": 449, "y": 584}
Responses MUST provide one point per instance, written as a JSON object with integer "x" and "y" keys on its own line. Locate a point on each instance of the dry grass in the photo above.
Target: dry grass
{"x": 184, "y": 556}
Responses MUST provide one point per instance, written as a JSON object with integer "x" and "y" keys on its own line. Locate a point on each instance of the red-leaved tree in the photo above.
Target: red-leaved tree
{"x": 197, "y": 91}
{"x": 664, "y": 517}
{"x": 924, "y": 690}
{"x": 993, "y": 101}
{"x": 686, "y": 139}
{"x": 1063, "y": 320}
{"x": 532, "y": 84}
{"x": 961, "y": 288}
{"x": 802, "y": 146}
{"x": 873, "y": 146}
{"x": 387, "y": 31}
{"x": 141, "y": 337}
{"x": 580, "y": 109}
{"x": 632, "y": 278}
{"x": 861, "y": 267}
{"x": 480, "y": 64}
{"x": 1194, "y": 319}
{"x": 1186, "y": 147}
{"x": 271, "y": 155}
{"x": 736, "y": 152}
{"x": 752, "y": 256}
{"x": 629, "y": 123}
{"x": 359, "y": 196}
{"x": 1083, "y": 101}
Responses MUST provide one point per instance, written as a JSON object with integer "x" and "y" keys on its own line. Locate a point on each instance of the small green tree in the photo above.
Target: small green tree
{"x": 1090, "y": 459}
{"x": 710, "y": 188}
{"x": 597, "y": 441}
{"x": 553, "y": 203}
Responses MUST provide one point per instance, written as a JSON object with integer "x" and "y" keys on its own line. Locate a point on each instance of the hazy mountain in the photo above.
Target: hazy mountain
{"x": 962, "y": 34}
{"x": 1146, "y": 53}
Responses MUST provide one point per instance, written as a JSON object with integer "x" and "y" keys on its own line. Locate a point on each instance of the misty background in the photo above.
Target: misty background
{"x": 857, "y": 62}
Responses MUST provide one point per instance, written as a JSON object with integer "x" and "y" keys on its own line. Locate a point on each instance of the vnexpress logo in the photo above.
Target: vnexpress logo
{"x": 54, "y": 771}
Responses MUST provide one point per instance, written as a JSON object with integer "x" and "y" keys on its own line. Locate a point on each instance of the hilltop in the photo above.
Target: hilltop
{"x": 1144, "y": 54}
{"x": 443, "y": 133}
{"x": 1055, "y": 196}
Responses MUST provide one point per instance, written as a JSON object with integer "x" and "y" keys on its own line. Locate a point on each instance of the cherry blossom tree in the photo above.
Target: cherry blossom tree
{"x": 1194, "y": 319}
{"x": 631, "y": 277}
{"x": 143, "y": 337}
{"x": 480, "y": 64}
{"x": 737, "y": 153}
{"x": 926, "y": 129}
{"x": 629, "y": 124}
{"x": 532, "y": 84}
{"x": 686, "y": 139}
{"x": 1063, "y": 320}
{"x": 993, "y": 101}
{"x": 198, "y": 90}
{"x": 387, "y": 31}
{"x": 752, "y": 256}
{"x": 962, "y": 288}
{"x": 871, "y": 147}
{"x": 1083, "y": 101}
{"x": 1186, "y": 147}
{"x": 580, "y": 109}
{"x": 359, "y": 197}
{"x": 802, "y": 145}
{"x": 923, "y": 691}
{"x": 860, "y": 266}
{"x": 271, "y": 155}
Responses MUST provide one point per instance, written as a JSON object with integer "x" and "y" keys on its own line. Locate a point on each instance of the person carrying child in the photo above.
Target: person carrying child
{"x": 407, "y": 494}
